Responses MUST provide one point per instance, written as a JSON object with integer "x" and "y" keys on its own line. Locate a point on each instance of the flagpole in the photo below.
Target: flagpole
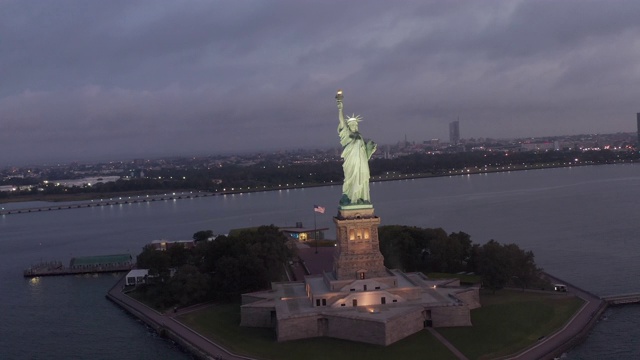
{"x": 315, "y": 229}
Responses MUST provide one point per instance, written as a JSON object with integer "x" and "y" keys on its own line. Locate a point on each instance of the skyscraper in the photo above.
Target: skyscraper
{"x": 454, "y": 132}
{"x": 638, "y": 118}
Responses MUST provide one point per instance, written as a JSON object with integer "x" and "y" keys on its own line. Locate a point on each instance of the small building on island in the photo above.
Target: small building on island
{"x": 302, "y": 234}
{"x": 164, "y": 244}
{"x": 137, "y": 277}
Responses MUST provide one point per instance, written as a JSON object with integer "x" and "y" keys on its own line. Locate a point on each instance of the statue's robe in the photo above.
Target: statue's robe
{"x": 356, "y": 154}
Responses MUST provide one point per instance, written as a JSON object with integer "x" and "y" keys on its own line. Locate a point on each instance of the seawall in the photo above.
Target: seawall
{"x": 573, "y": 333}
{"x": 167, "y": 326}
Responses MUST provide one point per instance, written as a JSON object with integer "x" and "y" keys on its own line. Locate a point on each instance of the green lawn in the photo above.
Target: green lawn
{"x": 508, "y": 322}
{"x": 220, "y": 323}
{"x": 469, "y": 279}
{"x": 146, "y": 300}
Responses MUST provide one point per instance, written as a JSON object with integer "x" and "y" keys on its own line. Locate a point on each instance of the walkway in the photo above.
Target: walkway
{"x": 577, "y": 328}
{"x": 168, "y": 323}
{"x": 446, "y": 343}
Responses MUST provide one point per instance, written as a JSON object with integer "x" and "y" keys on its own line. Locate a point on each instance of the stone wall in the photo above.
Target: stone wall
{"x": 446, "y": 316}
{"x": 470, "y": 296}
{"x": 372, "y": 332}
{"x": 256, "y": 316}
{"x": 300, "y": 327}
{"x": 404, "y": 325}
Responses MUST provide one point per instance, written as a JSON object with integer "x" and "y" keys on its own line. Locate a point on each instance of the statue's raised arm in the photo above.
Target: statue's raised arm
{"x": 355, "y": 153}
{"x": 339, "y": 98}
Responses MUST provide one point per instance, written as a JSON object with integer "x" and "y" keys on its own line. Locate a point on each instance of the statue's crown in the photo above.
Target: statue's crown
{"x": 354, "y": 117}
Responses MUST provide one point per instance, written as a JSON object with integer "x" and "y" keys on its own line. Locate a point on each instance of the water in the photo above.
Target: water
{"x": 581, "y": 223}
{"x": 615, "y": 337}
{"x": 69, "y": 318}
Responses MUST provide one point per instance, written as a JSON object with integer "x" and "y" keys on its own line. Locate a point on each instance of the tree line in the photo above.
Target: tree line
{"x": 250, "y": 259}
{"x": 433, "y": 250}
{"x": 221, "y": 270}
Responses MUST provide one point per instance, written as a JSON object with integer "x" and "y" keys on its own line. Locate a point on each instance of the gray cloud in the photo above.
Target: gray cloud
{"x": 82, "y": 80}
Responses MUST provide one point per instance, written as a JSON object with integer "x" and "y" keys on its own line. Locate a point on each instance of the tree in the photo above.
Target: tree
{"x": 465, "y": 243}
{"x": 246, "y": 261}
{"x": 189, "y": 286}
{"x": 418, "y": 249}
{"x": 449, "y": 253}
{"x": 406, "y": 247}
{"x": 270, "y": 247}
{"x": 431, "y": 250}
{"x": 493, "y": 265}
{"x": 500, "y": 265}
{"x": 178, "y": 255}
{"x": 203, "y": 235}
{"x": 158, "y": 262}
{"x": 522, "y": 266}
{"x": 237, "y": 275}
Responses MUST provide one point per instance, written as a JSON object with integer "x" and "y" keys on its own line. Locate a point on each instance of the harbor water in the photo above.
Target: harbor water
{"x": 581, "y": 223}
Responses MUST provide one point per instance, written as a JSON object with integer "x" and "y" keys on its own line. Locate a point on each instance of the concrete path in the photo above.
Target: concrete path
{"x": 446, "y": 343}
{"x": 167, "y": 321}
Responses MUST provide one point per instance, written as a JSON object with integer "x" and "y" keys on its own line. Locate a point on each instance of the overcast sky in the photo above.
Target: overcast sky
{"x": 87, "y": 80}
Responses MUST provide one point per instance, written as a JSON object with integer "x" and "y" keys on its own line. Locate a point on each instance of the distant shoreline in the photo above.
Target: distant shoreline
{"x": 391, "y": 176}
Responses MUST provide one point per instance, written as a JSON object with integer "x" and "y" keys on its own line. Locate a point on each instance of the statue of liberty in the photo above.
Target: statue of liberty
{"x": 355, "y": 153}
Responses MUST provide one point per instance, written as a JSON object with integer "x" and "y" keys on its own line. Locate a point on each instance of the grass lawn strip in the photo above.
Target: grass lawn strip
{"x": 140, "y": 297}
{"x": 220, "y": 324}
{"x": 510, "y": 321}
{"x": 464, "y": 278}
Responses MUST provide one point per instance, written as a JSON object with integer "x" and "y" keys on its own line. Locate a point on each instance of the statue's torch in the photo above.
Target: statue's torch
{"x": 339, "y": 96}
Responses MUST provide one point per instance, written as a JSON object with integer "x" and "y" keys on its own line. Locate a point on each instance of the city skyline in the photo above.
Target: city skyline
{"x": 84, "y": 81}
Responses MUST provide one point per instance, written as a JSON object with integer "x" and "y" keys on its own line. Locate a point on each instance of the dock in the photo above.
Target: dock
{"x": 622, "y": 299}
{"x": 82, "y": 265}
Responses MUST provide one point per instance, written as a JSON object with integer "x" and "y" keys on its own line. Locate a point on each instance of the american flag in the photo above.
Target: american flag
{"x": 318, "y": 208}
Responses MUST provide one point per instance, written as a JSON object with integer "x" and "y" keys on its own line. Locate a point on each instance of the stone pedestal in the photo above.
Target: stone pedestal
{"x": 358, "y": 255}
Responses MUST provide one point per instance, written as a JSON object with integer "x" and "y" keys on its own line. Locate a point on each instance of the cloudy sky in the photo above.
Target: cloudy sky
{"x": 87, "y": 80}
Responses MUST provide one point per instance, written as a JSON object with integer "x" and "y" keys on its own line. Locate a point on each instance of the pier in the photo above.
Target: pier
{"x": 82, "y": 265}
{"x": 622, "y": 299}
{"x": 103, "y": 202}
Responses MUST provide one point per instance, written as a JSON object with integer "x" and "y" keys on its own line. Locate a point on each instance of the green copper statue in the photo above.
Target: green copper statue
{"x": 356, "y": 153}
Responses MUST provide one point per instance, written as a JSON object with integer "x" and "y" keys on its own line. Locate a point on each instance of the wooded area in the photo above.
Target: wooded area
{"x": 432, "y": 250}
{"x": 215, "y": 270}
